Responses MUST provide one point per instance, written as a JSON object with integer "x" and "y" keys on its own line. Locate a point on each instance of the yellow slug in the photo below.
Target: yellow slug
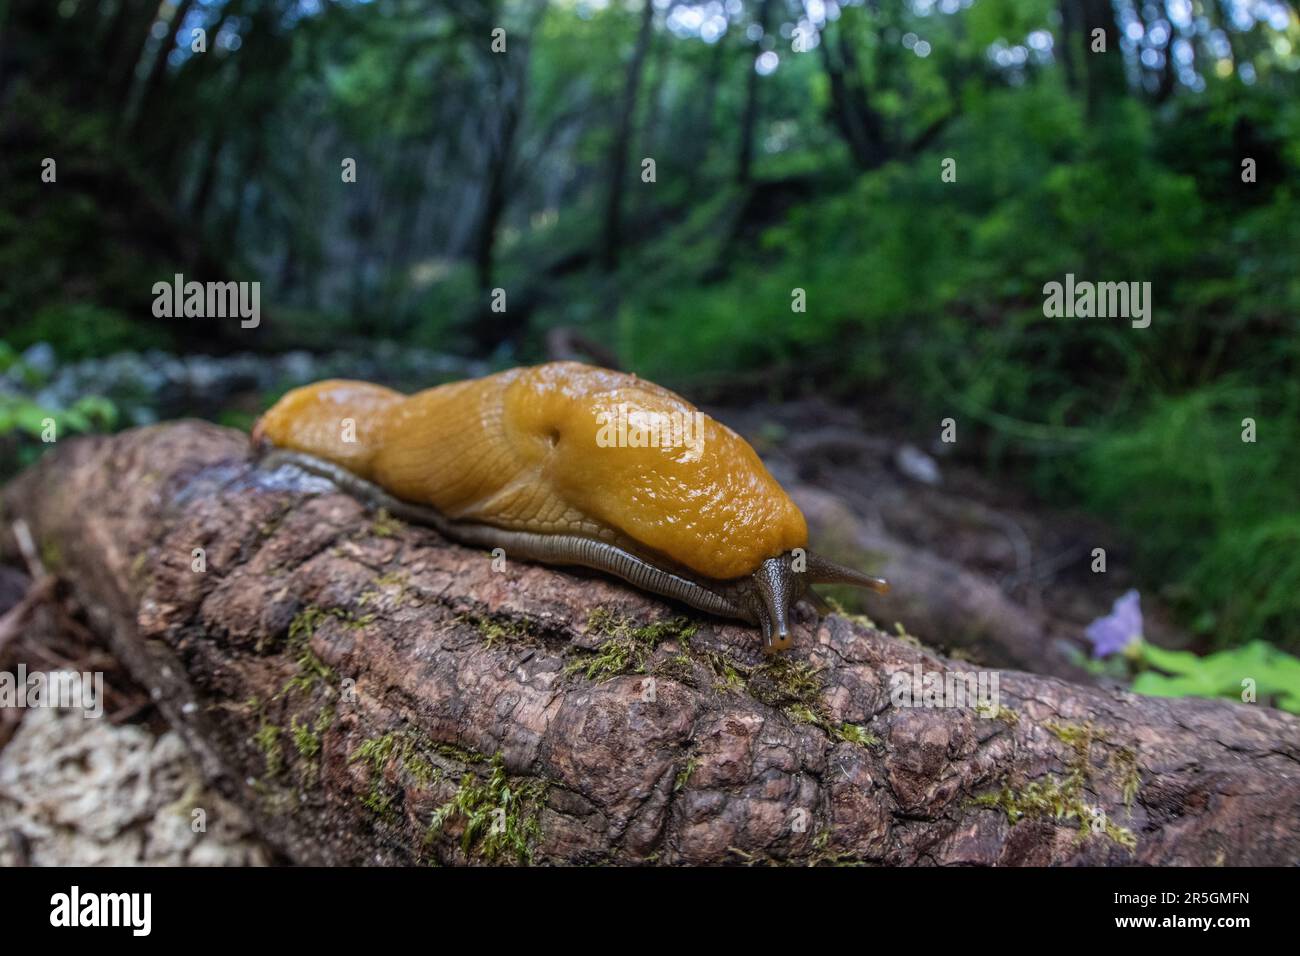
{"x": 565, "y": 463}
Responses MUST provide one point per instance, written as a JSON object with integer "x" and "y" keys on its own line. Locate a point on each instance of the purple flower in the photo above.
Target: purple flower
{"x": 1118, "y": 629}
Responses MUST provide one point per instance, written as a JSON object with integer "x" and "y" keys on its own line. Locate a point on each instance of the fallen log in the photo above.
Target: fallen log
{"x": 373, "y": 694}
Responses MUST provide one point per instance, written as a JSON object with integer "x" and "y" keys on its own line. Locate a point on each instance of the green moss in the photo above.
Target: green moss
{"x": 792, "y": 686}
{"x": 305, "y": 738}
{"x": 907, "y": 638}
{"x": 311, "y": 669}
{"x": 856, "y": 734}
{"x": 795, "y": 687}
{"x": 379, "y": 801}
{"x": 398, "y": 578}
{"x": 823, "y": 855}
{"x": 684, "y": 775}
{"x": 1005, "y": 714}
{"x": 385, "y": 525}
{"x": 267, "y": 740}
{"x": 1058, "y": 799}
{"x": 803, "y": 714}
{"x": 461, "y": 754}
{"x": 495, "y": 630}
{"x": 1078, "y": 737}
{"x": 381, "y": 584}
{"x": 377, "y": 752}
{"x": 1063, "y": 797}
{"x": 420, "y": 767}
{"x": 678, "y": 667}
{"x": 779, "y": 680}
{"x": 841, "y": 611}
{"x": 726, "y": 676}
{"x": 626, "y": 648}
{"x": 497, "y": 816}
{"x": 1124, "y": 764}
{"x": 410, "y": 750}
{"x": 51, "y": 555}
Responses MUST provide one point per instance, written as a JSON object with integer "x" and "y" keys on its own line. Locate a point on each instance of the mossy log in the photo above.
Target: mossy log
{"x": 374, "y": 694}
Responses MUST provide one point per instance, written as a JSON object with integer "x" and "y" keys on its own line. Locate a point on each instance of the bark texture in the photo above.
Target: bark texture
{"x": 373, "y": 694}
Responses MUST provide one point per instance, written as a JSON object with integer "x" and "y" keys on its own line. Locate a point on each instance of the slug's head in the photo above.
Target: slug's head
{"x": 779, "y": 583}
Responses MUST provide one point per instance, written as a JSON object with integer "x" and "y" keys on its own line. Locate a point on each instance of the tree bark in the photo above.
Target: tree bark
{"x": 373, "y": 694}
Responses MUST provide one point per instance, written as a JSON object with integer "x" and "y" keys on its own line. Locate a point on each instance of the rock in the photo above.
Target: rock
{"x": 40, "y": 358}
{"x": 917, "y": 465}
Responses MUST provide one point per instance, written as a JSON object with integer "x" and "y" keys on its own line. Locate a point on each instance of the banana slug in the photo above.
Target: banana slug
{"x": 570, "y": 464}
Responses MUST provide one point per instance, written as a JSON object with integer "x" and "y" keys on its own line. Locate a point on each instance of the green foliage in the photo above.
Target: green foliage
{"x": 932, "y": 292}
{"x": 26, "y": 417}
{"x": 26, "y": 426}
{"x": 1274, "y": 676}
{"x": 79, "y": 330}
{"x": 76, "y": 255}
{"x": 1215, "y": 515}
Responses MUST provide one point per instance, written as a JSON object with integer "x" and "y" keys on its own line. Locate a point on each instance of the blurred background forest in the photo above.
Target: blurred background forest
{"x": 795, "y": 145}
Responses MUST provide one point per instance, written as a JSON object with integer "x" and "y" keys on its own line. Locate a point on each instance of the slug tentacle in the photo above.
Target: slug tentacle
{"x": 824, "y": 571}
{"x": 775, "y": 584}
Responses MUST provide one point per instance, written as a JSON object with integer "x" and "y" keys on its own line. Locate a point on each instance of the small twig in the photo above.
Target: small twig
{"x": 131, "y": 709}
{"x": 11, "y": 623}
{"x": 27, "y": 547}
{"x": 40, "y": 590}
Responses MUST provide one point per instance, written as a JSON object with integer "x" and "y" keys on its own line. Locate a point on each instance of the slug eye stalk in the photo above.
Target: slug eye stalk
{"x": 776, "y": 587}
{"x": 824, "y": 571}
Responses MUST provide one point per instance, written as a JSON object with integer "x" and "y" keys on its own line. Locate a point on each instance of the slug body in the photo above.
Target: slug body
{"x": 565, "y": 463}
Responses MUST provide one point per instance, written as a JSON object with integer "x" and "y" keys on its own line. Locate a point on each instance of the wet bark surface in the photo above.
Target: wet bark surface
{"x": 374, "y": 694}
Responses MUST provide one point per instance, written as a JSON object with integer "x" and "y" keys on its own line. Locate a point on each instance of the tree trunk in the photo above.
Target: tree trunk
{"x": 502, "y": 133}
{"x": 1069, "y": 44}
{"x": 132, "y": 28}
{"x": 158, "y": 69}
{"x": 617, "y": 172}
{"x": 851, "y": 112}
{"x": 749, "y": 118}
{"x": 373, "y": 694}
{"x": 712, "y": 79}
{"x": 1103, "y": 73}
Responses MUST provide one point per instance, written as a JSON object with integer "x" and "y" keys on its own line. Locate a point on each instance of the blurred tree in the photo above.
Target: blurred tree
{"x": 617, "y": 171}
